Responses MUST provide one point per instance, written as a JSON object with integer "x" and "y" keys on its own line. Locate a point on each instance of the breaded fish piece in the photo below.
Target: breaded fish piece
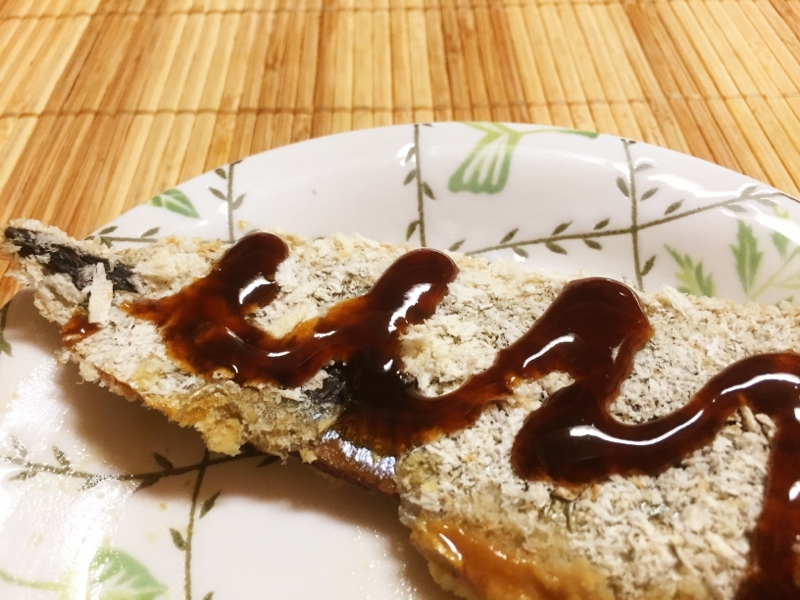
{"x": 489, "y": 527}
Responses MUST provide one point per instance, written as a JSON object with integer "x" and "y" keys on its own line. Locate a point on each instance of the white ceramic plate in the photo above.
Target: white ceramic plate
{"x": 72, "y": 523}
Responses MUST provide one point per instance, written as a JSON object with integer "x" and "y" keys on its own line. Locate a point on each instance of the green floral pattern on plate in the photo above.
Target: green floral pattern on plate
{"x": 112, "y": 575}
{"x": 117, "y": 575}
{"x": 176, "y": 201}
{"x": 486, "y": 168}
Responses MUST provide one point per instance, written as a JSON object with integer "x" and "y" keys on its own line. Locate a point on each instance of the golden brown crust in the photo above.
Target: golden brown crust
{"x": 478, "y": 566}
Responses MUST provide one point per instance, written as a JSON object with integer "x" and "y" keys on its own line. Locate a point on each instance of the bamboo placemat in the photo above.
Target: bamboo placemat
{"x": 105, "y": 103}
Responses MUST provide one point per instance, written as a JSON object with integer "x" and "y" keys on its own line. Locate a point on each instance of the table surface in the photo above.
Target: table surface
{"x": 105, "y": 103}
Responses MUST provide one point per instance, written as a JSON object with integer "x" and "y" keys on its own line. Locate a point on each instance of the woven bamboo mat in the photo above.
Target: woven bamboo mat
{"x": 104, "y": 103}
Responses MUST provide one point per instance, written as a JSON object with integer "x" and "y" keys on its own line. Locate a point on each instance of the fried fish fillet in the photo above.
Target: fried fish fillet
{"x": 487, "y": 532}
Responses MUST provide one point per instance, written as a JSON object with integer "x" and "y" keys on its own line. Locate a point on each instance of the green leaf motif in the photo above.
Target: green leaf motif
{"x": 692, "y": 275}
{"x": 61, "y": 457}
{"x": 218, "y": 194}
{"x": 147, "y": 481}
{"x": 673, "y": 207}
{"x": 508, "y": 237}
{"x": 747, "y": 191}
{"x": 622, "y": 186}
{"x": 601, "y": 224}
{"x": 163, "y": 461}
{"x": 593, "y": 244}
{"x": 115, "y": 575}
{"x": 648, "y": 194}
{"x": 520, "y": 251}
{"x": 748, "y": 257}
{"x": 561, "y": 228}
{"x": 767, "y": 201}
{"x": 208, "y": 504}
{"x": 553, "y": 247}
{"x": 781, "y": 243}
{"x": 412, "y": 227}
{"x": 487, "y": 166}
{"x": 648, "y": 266}
{"x": 175, "y": 201}
{"x": 177, "y": 539}
{"x": 454, "y": 247}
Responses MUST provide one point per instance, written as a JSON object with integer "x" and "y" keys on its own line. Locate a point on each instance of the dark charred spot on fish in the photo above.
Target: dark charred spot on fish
{"x": 334, "y": 389}
{"x": 63, "y": 259}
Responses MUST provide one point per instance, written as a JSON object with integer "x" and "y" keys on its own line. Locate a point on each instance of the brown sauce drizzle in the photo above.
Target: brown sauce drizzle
{"x": 77, "y": 329}
{"x": 591, "y": 331}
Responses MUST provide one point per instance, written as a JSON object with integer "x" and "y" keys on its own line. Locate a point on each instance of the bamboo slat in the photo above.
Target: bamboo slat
{"x": 104, "y": 103}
